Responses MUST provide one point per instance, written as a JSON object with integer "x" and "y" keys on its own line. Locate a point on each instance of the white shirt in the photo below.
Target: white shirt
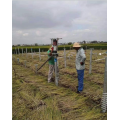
{"x": 80, "y": 57}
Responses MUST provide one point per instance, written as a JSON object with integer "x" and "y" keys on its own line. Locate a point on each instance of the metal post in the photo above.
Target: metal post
{"x": 57, "y": 62}
{"x": 32, "y": 55}
{"x": 57, "y": 70}
{"x": 25, "y": 63}
{"x": 90, "y": 68}
{"x": 69, "y": 57}
{"x": 96, "y": 55}
{"x": 36, "y": 67}
{"x": 104, "y": 96}
{"x": 26, "y": 52}
{"x": 18, "y": 60}
{"x": 65, "y": 57}
{"x": 18, "y": 50}
{"x": 39, "y": 54}
{"x": 56, "y": 77}
{"x": 54, "y": 42}
{"x": 22, "y": 51}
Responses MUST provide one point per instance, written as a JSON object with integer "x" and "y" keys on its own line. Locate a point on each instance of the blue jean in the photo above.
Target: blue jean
{"x": 80, "y": 79}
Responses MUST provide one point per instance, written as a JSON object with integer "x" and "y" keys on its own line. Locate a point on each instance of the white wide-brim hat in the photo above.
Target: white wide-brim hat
{"x": 76, "y": 45}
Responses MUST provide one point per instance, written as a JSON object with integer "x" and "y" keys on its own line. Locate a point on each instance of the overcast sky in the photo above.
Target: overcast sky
{"x": 38, "y": 21}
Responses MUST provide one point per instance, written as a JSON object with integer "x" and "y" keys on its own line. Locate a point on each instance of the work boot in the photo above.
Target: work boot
{"x": 52, "y": 79}
{"x": 77, "y": 88}
{"x": 78, "y": 91}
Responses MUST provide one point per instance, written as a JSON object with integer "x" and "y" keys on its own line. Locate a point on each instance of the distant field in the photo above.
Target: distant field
{"x": 60, "y": 47}
{"x": 46, "y": 46}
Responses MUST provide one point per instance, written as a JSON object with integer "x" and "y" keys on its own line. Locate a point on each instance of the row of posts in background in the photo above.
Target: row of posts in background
{"x": 18, "y": 52}
{"x": 25, "y": 62}
{"x": 40, "y": 54}
{"x": 27, "y": 54}
{"x": 90, "y": 67}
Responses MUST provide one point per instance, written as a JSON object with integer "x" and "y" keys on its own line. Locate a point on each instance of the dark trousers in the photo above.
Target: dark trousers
{"x": 80, "y": 79}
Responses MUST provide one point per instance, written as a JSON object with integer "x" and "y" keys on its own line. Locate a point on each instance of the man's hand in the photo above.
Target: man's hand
{"x": 51, "y": 51}
{"x": 52, "y": 48}
{"x": 82, "y": 63}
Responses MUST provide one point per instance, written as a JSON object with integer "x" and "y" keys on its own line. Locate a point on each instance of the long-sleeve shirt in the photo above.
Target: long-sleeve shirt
{"x": 80, "y": 57}
{"x": 51, "y": 61}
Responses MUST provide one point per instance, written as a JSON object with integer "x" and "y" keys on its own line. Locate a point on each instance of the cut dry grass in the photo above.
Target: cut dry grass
{"x": 34, "y": 98}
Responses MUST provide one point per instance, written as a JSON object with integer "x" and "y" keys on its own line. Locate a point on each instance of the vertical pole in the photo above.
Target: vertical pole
{"x": 18, "y": 50}
{"x": 56, "y": 78}
{"x": 90, "y": 68}
{"x": 22, "y": 51}
{"x": 57, "y": 62}
{"x": 57, "y": 70}
{"x": 18, "y": 60}
{"x": 96, "y": 55}
{"x": 32, "y": 54}
{"x": 39, "y": 54}
{"x": 104, "y": 96}
{"x": 65, "y": 57}
{"x": 26, "y": 52}
{"x": 69, "y": 57}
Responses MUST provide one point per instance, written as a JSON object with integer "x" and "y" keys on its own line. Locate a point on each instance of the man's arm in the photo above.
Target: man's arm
{"x": 83, "y": 57}
{"x": 51, "y": 52}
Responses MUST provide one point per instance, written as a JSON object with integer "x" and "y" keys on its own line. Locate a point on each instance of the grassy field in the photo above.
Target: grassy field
{"x": 35, "y": 99}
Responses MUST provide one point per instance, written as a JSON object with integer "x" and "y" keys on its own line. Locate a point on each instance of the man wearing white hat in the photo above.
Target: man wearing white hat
{"x": 80, "y": 65}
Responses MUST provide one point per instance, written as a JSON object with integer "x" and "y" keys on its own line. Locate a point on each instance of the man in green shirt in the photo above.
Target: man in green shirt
{"x": 51, "y": 64}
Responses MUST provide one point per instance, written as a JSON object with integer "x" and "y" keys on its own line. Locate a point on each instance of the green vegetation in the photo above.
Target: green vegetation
{"x": 102, "y": 46}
